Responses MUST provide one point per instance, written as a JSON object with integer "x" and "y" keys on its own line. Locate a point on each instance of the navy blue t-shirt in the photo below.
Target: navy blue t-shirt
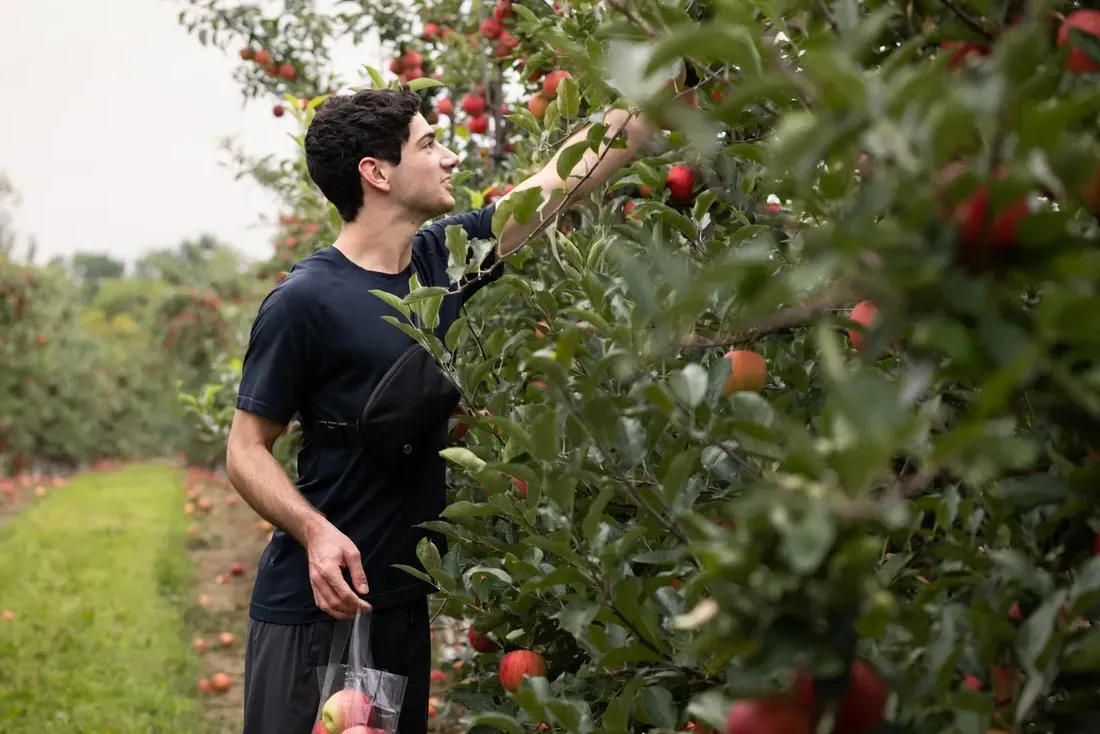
{"x": 317, "y": 348}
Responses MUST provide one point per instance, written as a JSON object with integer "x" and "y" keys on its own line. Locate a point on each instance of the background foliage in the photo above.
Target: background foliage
{"x": 92, "y": 356}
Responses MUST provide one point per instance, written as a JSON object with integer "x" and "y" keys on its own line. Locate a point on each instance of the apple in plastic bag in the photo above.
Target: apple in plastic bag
{"x": 363, "y": 730}
{"x": 345, "y": 709}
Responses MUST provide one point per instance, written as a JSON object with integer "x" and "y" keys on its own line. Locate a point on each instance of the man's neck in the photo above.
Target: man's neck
{"x": 379, "y": 241}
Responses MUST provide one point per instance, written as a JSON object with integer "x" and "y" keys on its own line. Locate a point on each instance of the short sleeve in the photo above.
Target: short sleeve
{"x": 432, "y": 241}
{"x": 274, "y": 374}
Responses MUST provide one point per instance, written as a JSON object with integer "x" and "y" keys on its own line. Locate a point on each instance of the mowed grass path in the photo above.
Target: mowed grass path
{"x": 100, "y": 583}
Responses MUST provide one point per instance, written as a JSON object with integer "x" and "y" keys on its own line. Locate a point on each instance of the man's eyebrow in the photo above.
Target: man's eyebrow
{"x": 426, "y": 136}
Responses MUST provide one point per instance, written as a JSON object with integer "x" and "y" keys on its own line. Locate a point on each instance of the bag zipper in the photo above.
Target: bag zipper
{"x": 387, "y": 377}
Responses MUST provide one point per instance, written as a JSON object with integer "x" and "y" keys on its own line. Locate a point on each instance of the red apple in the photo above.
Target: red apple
{"x": 865, "y": 313}
{"x": 225, "y": 639}
{"x": 236, "y": 569}
{"x": 346, "y": 708}
{"x": 438, "y": 676}
{"x": 748, "y": 372}
{"x": 551, "y": 81}
{"x": 864, "y": 704}
{"x": 473, "y": 104}
{"x": 974, "y": 224}
{"x": 491, "y": 28}
{"x": 518, "y": 664}
{"x": 537, "y": 105}
{"x": 431, "y": 30}
{"x": 205, "y": 686}
{"x": 680, "y": 182}
{"x": 971, "y": 681}
{"x": 446, "y": 107}
{"x": 479, "y": 642}
{"x": 221, "y": 681}
{"x": 478, "y": 124}
{"x": 1088, "y": 21}
{"x": 768, "y": 716}
{"x": 960, "y": 50}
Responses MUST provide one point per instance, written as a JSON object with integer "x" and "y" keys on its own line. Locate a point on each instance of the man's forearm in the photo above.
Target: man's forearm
{"x": 265, "y": 486}
{"x": 601, "y": 164}
{"x": 593, "y": 170}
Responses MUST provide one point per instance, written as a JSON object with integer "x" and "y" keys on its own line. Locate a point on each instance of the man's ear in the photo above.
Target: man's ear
{"x": 376, "y": 173}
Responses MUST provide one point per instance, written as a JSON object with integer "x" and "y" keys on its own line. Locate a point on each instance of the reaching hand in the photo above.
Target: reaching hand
{"x": 329, "y": 552}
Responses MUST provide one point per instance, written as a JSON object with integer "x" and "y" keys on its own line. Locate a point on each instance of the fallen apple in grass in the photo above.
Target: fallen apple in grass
{"x": 221, "y": 681}
{"x": 226, "y": 639}
{"x": 345, "y": 709}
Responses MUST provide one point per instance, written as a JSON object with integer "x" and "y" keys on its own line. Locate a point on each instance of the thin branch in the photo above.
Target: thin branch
{"x": 965, "y": 17}
{"x": 780, "y": 321}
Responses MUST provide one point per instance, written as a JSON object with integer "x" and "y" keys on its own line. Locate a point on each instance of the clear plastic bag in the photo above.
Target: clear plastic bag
{"x": 356, "y": 698}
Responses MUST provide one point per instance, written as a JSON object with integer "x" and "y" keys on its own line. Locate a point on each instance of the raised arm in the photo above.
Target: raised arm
{"x": 593, "y": 170}
{"x": 603, "y": 163}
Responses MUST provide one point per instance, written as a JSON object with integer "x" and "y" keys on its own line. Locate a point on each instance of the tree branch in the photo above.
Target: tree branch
{"x": 965, "y": 17}
{"x": 780, "y": 321}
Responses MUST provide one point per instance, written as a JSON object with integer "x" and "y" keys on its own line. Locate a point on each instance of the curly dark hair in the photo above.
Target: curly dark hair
{"x": 347, "y": 128}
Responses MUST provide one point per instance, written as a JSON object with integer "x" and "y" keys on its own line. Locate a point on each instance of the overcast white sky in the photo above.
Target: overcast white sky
{"x": 111, "y": 125}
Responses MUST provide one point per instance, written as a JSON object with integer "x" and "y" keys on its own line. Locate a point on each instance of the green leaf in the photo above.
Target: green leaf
{"x": 526, "y": 120}
{"x": 457, "y": 179}
{"x": 592, "y": 519}
{"x": 1036, "y": 631}
{"x": 1087, "y": 42}
{"x": 493, "y": 720}
{"x": 569, "y": 97}
{"x": 424, "y": 82}
{"x": 376, "y": 78}
{"x": 616, "y": 717}
{"x": 708, "y": 42}
{"x": 575, "y": 617}
{"x": 463, "y": 508}
{"x": 805, "y": 545}
{"x": 415, "y": 572}
{"x": 568, "y": 158}
{"x": 545, "y": 433}
{"x": 428, "y": 554}
{"x": 457, "y": 240}
{"x": 1085, "y": 592}
{"x": 392, "y": 300}
{"x": 1083, "y": 654}
{"x": 657, "y": 707}
{"x": 689, "y": 385}
{"x": 424, "y": 293}
{"x": 463, "y": 457}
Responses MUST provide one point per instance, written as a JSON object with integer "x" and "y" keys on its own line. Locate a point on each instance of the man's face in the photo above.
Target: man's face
{"x": 425, "y": 165}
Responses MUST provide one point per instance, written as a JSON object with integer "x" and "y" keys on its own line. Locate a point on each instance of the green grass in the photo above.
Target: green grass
{"x": 99, "y": 579}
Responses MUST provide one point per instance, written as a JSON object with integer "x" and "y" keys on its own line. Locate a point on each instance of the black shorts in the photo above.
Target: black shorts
{"x": 282, "y": 688}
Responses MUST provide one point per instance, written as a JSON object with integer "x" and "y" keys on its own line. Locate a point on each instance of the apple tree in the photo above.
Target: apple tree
{"x": 793, "y": 425}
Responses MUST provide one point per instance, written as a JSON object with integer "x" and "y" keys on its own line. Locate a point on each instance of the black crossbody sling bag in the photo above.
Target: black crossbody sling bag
{"x": 406, "y": 410}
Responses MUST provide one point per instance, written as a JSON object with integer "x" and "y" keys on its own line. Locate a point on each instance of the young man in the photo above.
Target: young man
{"x": 318, "y": 348}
